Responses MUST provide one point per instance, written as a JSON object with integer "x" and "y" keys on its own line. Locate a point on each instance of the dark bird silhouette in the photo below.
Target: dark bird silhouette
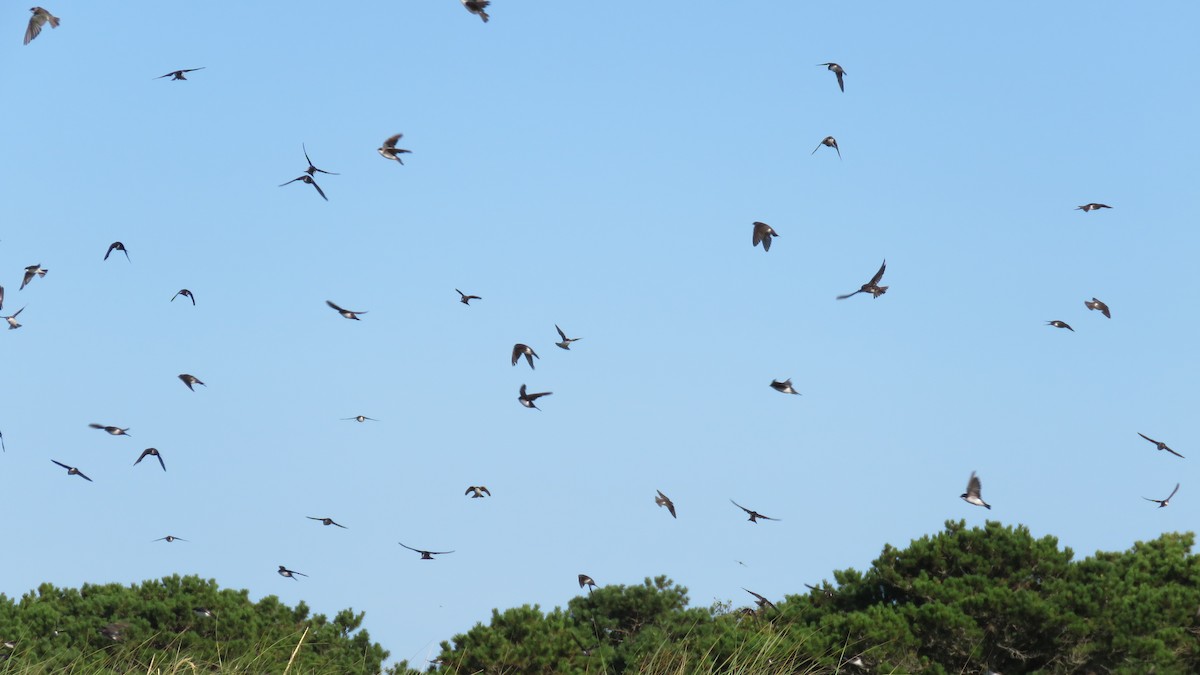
{"x": 72, "y": 471}
{"x": 312, "y": 169}
{"x": 763, "y": 233}
{"x": 39, "y": 19}
{"x": 762, "y": 602}
{"x": 871, "y": 286}
{"x": 1060, "y": 324}
{"x": 837, "y": 70}
{"x": 115, "y": 431}
{"x": 1096, "y": 304}
{"x": 390, "y": 151}
{"x": 478, "y": 490}
{"x": 566, "y": 341}
{"x": 425, "y": 555}
{"x": 12, "y": 319}
{"x": 1, "y": 297}
{"x": 663, "y": 500}
{"x": 1160, "y": 445}
{"x": 585, "y": 580}
{"x": 2, "y": 448}
{"x": 1092, "y": 207}
{"x": 117, "y": 246}
{"x": 169, "y": 538}
{"x": 827, "y": 591}
{"x": 972, "y": 495}
{"x": 519, "y": 349}
{"x": 185, "y": 293}
{"x": 784, "y": 387}
{"x": 30, "y": 273}
{"x": 360, "y": 418}
{"x": 345, "y": 312}
{"x": 527, "y": 400}
{"x": 1164, "y": 502}
{"x": 114, "y": 631}
{"x": 178, "y": 74}
{"x": 829, "y": 142}
{"x": 189, "y": 380}
{"x": 327, "y": 522}
{"x": 306, "y": 178}
{"x": 477, "y": 7}
{"x": 291, "y": 574}
{"x": 466, "y": 299}
{"x": 152, "y": 452}
{"x": 754, "y": 515}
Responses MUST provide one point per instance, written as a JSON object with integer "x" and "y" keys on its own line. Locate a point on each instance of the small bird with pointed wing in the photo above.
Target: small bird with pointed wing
{"x": 30, "y": 273}
{"x": 12, "y": 319}
{"x": 762, "y": 234}
{"x": 290, "y": 574}
{"x": 327, "y": 522}
{"x": 72, "y": 471}
{"x": 585, "y": 580}
{"x": 40, "y": 18}
{"x": 837, "y": 70}
{"x": 345, "y": 312}
{"x": 115, "y": 431}
{"x": 828, "y": 142}
{"x": 1160, "y": 445}
{"x": 784, "y": 387}
{"x": 1092, "y": 207}
{"x": 425, "y": 555}
{"x": 477, "y": 491}
{"x": 466, "y": 299}
{"x": 306, "y": 178}
{"x": 1097, "y": 305}
{"x": 761, "y": 601}
{"x": 527, "y": 400}
{"x": 663, "y": 500}
{"x": 312, "y": 170}
{"x": 169, "y": 538}
{"x": 871, "y": 286}
{"x": 519, "y": 349}
{"x": 117, "y": 246}
{"x": 1164, "y": 502}
{"x": 151, "y": 452}
{"x": 389, "y": 150}
{"x": 755, "y": 516}
{"x": 178, "y": 74}
{"x": 566, "y": 341}
{"x": 360, "y": 418}
{"x": 477, "y": 8}
{"x": 1060, "y": 324}
{"x": 185, "y": 293}
{"x": 972, "y": 495}
{"x": 189, "y": 380}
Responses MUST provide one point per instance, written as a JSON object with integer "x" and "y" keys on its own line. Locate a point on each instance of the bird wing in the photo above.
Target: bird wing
{"x": 1172, "y": 493}
{"x": 849, "y": 295}
{"x": 392, "y": 140}
{"x": 534, "y": 397}
{"x": 560, "y": 332}
{"x": 110, "y": 250}
{"x": 291, "y": 181}
{"x": 522, "y": 386}
{"x": 879, "y": 275}
{"x": 974, "y": 487}
{"x": 330, "y": 303}
{"x": 160, "y": 461}
{"x": 1147, "y": 438}
{"x": 485, "y": 490}
{"x": 1173, "y": 452}
{"x": 411, "y": 548}
{"x": 319, "y": 190}
{"x": 61, "y": 464}
{"x": 97, "y": 426}
{"x": 189, "y": 70}
{"x": 740, "y": 506}
{"x": 28, "y": 276}
{"x": 35, "y": 26}
{"x": 516, "y": 354}
{"x": 841, "y": 83}
{"x": 83, "y": 476}
{"x": 142, "y": 456}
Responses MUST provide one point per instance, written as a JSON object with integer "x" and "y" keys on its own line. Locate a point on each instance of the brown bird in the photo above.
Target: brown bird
{"x": 72, "y": 471}
{"x": 762, "y": 602}
{"x": 178, "y": 74}
{"x": 425, "y": 555}
{"x": 663, "y": 500}
{"x": 115, "y": 431}
{"x": 389, "y": 149}
{"x": 763, "y": 233}
{"x": 829, "y": 142}
{"x": 169, "y": 538}
{"x": 189, "y": 380}
{"x": 327, "y": 522}
{"x": 185, "y": 293}
{"x": 479, "y": 491}
{"x": 291, "y": 574}
{"x": 477, "y": 7}
{"x": 466, "y": 299}
{"x": 1096, "y": 304}
{"x": 871, "y": 286}
{"x": 31, "y": 272}
{"x": 117, "y": 246}
{"x": 313, "y": 170}
{"x": 585, "y": 580}
{"x": 527, "y": 400}
{"x": 1164, "y": 502}
{"x": 837, "y": 70}
{"x": 754, "y": 515}
{"x": 151, "y": 452}
{"x": 306, "y": 178}
{"x": 345, "y": 312}
{"x": 1160, "y": 445}
{"x": 39, "y": 19}
{"x": 519, "y": 349}
{"x": 1060, "y": 324}
{"x": 1092, "y": 207}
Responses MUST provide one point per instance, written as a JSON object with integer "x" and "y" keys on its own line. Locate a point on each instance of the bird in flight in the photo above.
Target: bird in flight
{"x": 527, "y": 400}
{"x": 466, "y": 299}
{"x": 189, "y": 380}
{"x": 151, "y": 452}
{"x": 763, "y": 233}
{"x": 1092, "y": 207}
{"x": 663, "y": 500}
{"x": 1164, "y": 502}
{"x": 754, "y": 515}
{"x": 1060, "y": 324}
{"x": 837, "y": 70}
{"x": 178, "y": 74}
{"x": 185, "y": 293}
{"x": 519, "y": 349}
{"x": 30, "y": 273}
{"x": 566, "y": 341}
{"x": 1096, "y": 304}
{"x": 72, "y": 471}
{"x": 425, "y": 555}
{"x": 784, "y": 387}
{"x": 360, "y": 418}
{"x": 477, "y": 7}
{"x": 2, "y": 448}
{"x": 291, "y": 574}
{"x": 117, "y": 246}
{"x": 312, "y": 170}
{"x": 39, "y": 19}
{"x": 390, "y": 151}
{"x": 762, "y": 602}
{"x": 1160, "y": 445}
{"x": 169, "y": 538}
{"x": 1, "y": 297}
{"x": 871, "y": 286}
{"x": 585, "y": 580}
{"x": 829, "y": 142}
{"x": 12, "y": 319}
{"x": 971, "y": 496}
{"x": 479, "y": 490}
{"x": 306, "y": 178}
{"x": 327, "y": 522}
{"x": 115, "y": 431}
{"x": 345, "y": 312}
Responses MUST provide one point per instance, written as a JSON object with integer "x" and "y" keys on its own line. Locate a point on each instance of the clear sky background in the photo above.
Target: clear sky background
{"x": 598, "y": 166}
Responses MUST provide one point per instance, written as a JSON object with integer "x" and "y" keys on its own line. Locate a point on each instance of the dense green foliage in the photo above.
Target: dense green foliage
{"x": 962, "y": 601}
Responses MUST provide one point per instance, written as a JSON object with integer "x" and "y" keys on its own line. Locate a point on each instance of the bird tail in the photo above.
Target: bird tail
{"x": 54, "y": 21}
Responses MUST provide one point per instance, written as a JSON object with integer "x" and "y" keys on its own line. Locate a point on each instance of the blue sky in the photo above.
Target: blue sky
{"x": 596, "y": 167}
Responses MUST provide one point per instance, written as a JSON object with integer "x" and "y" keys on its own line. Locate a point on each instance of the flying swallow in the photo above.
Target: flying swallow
{"x": 12, "y": 319}
{"x": 203, "y": 611}
{"x": 307, "y": 179}
{"x": 762, "y": 602}
{"x": 291, "y": 574}
{"x": 169, "y": 538}
{"x": 1160, "y": 445}
{"x": 871, "y": 286}
{"x": 72, "y": 471}
{"x": 313, "y": 170}
{"x": 477, "y": 7}
{"x": 466, "y": 299}
{"x": 189, "y": 380}
{"x": 2, "y": 448}
{"x": 566, "y": 343}
{"x": 114, "y": 631}
{"x": 827, "y": 591}
{"x": 837, "y": 70}
{"x": 585, "y": 580}
{"x": 390, "y": 151}
{"x": 360, "y": 418}
{"x": 1092, "y": 207}
{"x": 829, "y": 142}
{"x": 345, "y": 312}
{"x": 30, "y": 273}
{"x": 479, "y": 490}
{"x": 39, "y": 19}
{"x": 763, "y": 233}
{"x": 1, "y": 297}
{"x": 519, "y": 349}
{"x": 1096, "y": 304}
{"x": 754, "y": 515}
{"x": 1060, "y": 324}
{"x": 663, "y": 500}
{"x": 115, "y": 431}
{"x": 425, "y": 555}
{"x": 116, "y": 246}
{"x": 178, "y": 74}
{"x": 971, "y": 496}
{"x": 784, "y": 387}
{"x": 185, "y": 293}
{"x": 1164, "y": 502}
{"x": 527, "y": 400}
{"x": 153, "y": 452}
{"x": 327, "y": 522}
